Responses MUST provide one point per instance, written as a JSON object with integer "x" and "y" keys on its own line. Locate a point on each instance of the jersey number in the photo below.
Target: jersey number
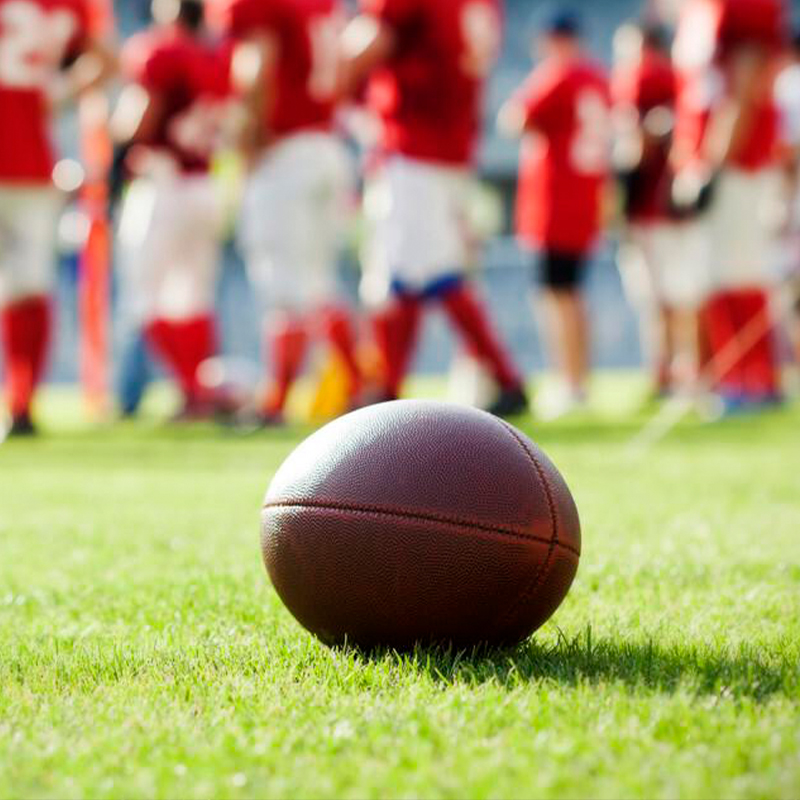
{"x": 33, "y": 42}
{"x": 482, "y": 36}
{"x": 324, "y": 39}
{"x": 592, "y": 140}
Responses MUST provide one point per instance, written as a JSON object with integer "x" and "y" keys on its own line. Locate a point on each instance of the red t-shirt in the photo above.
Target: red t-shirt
{"x": 189, "y": 79}
{"x": 36, "y": 36}
{"x": 307, "y": 32}
{"x": 429, "y": 94}
{"x": 645, "y": 86}
{"x": 565, "y": 156}
{"x": 710, "y": 33}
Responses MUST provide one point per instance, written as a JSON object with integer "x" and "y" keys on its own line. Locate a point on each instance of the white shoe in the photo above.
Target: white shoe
{"x": 561, "y": 402}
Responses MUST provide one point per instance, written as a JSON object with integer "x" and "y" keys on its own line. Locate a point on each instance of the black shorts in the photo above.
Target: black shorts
{"x": 560, "y": 271}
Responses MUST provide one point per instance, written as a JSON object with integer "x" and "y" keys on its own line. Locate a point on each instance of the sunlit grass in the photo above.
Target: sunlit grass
{"x": 143, "y": 652}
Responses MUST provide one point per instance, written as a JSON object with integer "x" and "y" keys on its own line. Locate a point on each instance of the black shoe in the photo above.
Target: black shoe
{"x": 510, "y": 403}
{"x": 21, "y": 427}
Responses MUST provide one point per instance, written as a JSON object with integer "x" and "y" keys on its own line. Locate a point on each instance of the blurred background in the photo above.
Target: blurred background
{"x": 506, "y": 279}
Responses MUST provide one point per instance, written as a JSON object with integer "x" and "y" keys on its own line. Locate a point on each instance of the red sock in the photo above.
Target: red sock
{"x": 25, "y": 333}
{"x": 759, "y": 364}
{"x": 289, "y": 342}
{"x": 197, "y": 339}
{"x": 339, "y": 332}
{"x": 396, "y": 333}
{"x": 470, "y": 318}
{"x": 720, "y": 321}
{"x": 184, "y": 346}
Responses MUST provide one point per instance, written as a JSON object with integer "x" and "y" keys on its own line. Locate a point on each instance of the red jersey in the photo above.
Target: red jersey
{"x": 429, "y": 93}
{"x": 648, "y": 84}
{"x": 565, "y": 156}
{"x": 36, "y": 36}
{"x": 307, "y": 32}
{"x": 188, "y": 78}
{"x": 710, "y": 33}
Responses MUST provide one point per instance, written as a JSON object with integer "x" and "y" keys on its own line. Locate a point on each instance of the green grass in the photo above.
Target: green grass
{"x": 144, "y": 654}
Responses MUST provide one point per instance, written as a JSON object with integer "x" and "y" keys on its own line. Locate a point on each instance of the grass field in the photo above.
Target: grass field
{"x": 143, "y": 652}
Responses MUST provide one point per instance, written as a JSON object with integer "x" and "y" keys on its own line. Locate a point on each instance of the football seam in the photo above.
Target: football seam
{"x": 541, "y": 573}
{"x": 422, "y": 517}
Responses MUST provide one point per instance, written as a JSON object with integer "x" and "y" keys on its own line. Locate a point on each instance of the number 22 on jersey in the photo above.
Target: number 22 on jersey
{"x": 33, "y": 41}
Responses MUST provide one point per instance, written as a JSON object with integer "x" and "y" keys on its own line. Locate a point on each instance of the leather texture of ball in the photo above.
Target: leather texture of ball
{"x": 420, "y": 522}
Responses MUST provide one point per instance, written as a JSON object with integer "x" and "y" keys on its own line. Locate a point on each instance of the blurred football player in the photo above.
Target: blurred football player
{"x": 427, "y": 62}
{"x": 563, "y": 112}
{"x": 51, "y": 51}
{"x": 725, "y": 148}
{"x": 286, "y": 68}
{"x": 644, "y": 91}
{"x": 169, "y": 120}
{"x": 787, "y": 94}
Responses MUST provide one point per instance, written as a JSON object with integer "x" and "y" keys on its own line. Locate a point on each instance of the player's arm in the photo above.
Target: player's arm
{"x": 135, "y": 122}
{"x": 253, "y": 75}
{"x": 529, "y": 110}
{"x": 92, "y": 68}
{"x": 512, "y": 120}
{"x": 136, "y": 116}
{"x": 367, "y": 42}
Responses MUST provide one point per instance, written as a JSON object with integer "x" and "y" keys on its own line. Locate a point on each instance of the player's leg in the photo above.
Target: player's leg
{"x": 470, "y": 318}
{"x": 566, "y": 323}
{"x": 759, "y": 362}
{"x": 719, "y": 317}
{"x": 187, "y": 290}
{"x": 790, "y": 250}
{"x": 640, "y": 270}
{"x": 738, "y": 315}
{"x": 391, "y": 285}
{"x": 461, "y": 302}
{"x": 288, "y": 339}
{"x": 682, "y": 256}
{"x": 396, "y": 328}
{"x": 170, "y": 253}
{"x": 327, "y": 197}
{"x": 340, "y": 332}
{"x": 273, "y": 236}
{"x": 136, "y": 283}
{"x": 134, "y": 370}
{"x": 27, "y": 274}
{"x": 426, "y": 256}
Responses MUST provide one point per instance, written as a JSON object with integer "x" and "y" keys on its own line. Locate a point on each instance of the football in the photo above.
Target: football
{"x": 420, "y": 522}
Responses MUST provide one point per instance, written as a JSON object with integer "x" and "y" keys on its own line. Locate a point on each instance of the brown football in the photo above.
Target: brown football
{"x": 420, "y": 522}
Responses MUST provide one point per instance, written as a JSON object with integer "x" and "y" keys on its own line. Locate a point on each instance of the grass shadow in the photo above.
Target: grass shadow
{"x": 704, "y": 670}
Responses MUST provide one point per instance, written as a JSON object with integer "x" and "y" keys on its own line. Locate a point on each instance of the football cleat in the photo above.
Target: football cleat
{"x": 21, "y": 427}
{"x": 510, "y": 403}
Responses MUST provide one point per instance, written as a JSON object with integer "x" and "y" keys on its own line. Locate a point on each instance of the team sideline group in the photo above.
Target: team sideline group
{"x": 700, "y": 132}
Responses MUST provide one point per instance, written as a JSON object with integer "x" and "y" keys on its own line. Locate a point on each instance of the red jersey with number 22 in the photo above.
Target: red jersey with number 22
{"x": 307, "y": 33}
{"x": 429, "y": 94}
{"x": 189, "y": 79}
{"x": 35, "y": 38}
{"x": 565, "y": 156}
